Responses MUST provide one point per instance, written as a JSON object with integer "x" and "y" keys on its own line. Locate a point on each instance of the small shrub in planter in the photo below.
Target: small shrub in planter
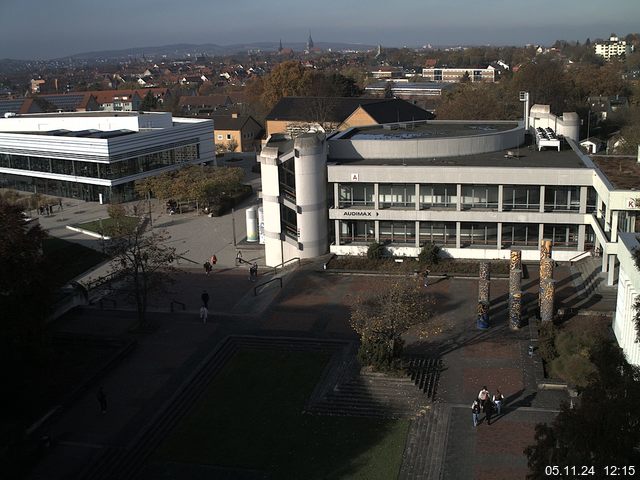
{"x": 375, "y": 251}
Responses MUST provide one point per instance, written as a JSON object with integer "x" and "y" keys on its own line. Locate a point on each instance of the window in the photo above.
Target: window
{"x": 480, "y": 196}
{"x": 520, "y": 234}
{"x": 355, "y": 195}
{"x": 520, "y": 197}
{"x": 396, "y": 195}
{"x": 478, "y": 234}
{"x": 398, "y": 232}
{"x": 562, "y": 199}
{"x": 228, "y": 136}
{"x": 440, "y": 233}
{"x": 287, "y": 178}
{"x": 438, "y": 196}
{"x": 562, "y": 235}
{"x": 289, "y": 221}
{"x": 219, "y": 136}
{"x": 357, "y": 232}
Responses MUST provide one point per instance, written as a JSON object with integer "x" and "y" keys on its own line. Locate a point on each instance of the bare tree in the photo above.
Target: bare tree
{"x": 144, "y": 261}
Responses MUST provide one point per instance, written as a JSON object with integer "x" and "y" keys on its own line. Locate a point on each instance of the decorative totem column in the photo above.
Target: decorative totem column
{"x": 545, "y": 249}
{"x": 515, "y": 310}
{"x": 515, "y": 284}
{"x": 546, "y": 267}
{"x": 547, "y": 293}
{"x": 483, "y": 296}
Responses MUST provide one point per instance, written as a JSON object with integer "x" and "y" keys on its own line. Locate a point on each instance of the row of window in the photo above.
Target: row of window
{"x": 444, "y": 233}
{"x": 516, "y": 197}
{"x": 109, "y": 171}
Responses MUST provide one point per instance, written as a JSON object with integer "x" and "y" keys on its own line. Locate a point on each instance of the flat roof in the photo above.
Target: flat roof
{"x": 90, "y": 133}
{"x": 426, "y": 130}
{"x": 88, "y": 114}
{"x": 524, "y": 157}
{"x": 622, "y": 172}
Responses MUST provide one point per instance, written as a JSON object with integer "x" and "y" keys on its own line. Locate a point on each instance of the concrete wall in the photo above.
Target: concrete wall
{"x": 426, "y": 147}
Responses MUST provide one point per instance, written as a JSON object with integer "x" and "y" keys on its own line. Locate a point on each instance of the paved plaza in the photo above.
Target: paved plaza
{"x": 312, "y": 303}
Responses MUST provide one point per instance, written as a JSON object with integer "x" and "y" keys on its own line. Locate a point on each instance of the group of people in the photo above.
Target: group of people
{"x": 487, "y": 404}
{"x": 208, "y": 265}
{"x": 48, "y": 209}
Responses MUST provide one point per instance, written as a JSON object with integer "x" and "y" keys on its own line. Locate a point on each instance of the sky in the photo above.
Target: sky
{"x": 44, "y": 29}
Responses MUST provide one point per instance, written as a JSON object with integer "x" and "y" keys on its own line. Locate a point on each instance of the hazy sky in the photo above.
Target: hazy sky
{"x": 55, "y": 28}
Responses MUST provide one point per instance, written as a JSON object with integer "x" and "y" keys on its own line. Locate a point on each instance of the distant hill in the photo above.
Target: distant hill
{"x": 210, "y": 49}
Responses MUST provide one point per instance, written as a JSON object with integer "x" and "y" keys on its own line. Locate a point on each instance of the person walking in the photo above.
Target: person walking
{"x": 238, "y": 257}
{"x": 488, "y": 410}
{"x": 205, "y": 299}
{"x": 102, "y": 400}
{"x": 498, "y": 398}
{"x": 483, "y": 397}
{"x": 207, "y": 267}
{"x": 204, "y": 314}
{"x": 213, "y": 260}
{"x": 475, "y": 412}
{"x": 425, "y": 275}
{"x": 253, "y": 272}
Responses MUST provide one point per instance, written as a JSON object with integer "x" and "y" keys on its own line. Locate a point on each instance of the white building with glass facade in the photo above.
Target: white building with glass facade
{"x": 475, "y": 188}
{"x": 97, "y": 155}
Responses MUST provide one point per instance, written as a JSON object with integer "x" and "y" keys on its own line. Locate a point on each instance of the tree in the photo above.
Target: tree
{"x": 383, "y": 316}
{"x": 286, "y": 79}
{"x": 144, "y": 261}
{"x": 232, "y": 145}
{"x": 546, "y": 82}
{"x": 466, "y": 78}
{"x": 602, "y": 430}
{"x": 149, "y": 103}
{"x": 388, "y": 90}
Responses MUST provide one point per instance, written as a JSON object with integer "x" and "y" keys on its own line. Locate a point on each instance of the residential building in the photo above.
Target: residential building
{"x": 294, "y": 115}
{"x": 614, "y": 47}
{"x": 242, "y": 132}
{"x": 204, "y": 105}
{"x": 455, "y": 75}
{"x": 97, "y": 156}
{"x": 67, "y": 102}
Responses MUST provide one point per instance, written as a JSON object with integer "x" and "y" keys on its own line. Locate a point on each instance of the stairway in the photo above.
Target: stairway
{"x": 424, "y": 453}
{"x": 591, "y": 284}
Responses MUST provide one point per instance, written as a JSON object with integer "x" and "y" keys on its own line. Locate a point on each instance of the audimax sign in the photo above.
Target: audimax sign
{"x": 362, "y": 213}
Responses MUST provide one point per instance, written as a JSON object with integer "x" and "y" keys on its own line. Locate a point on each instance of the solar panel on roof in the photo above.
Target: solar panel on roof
{"x": 64, "y": 102}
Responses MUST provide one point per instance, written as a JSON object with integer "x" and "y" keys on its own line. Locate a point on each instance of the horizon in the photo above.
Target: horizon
{"x": 61, "y": 31}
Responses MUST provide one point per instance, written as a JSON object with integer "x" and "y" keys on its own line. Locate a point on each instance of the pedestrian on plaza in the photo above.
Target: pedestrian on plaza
{"x": 253, "y": 272}
{"x": 488, "y": 410}
{"x": 483, "y": 397}
{"x": 204, "y": 313}
{"x": 207, "y": 267}
{"x": 238, "y": 257}
{"x": 205, "y": 299}
{"x": 475, "y": 412}
{"x": 102, "y": 400}
{"x": 60, "y": 205}
{"x": 498, "y": 398}
{"x": 213, "y": 260}
{"x": 41, "y": 209}
{"x": 426, "y": 278}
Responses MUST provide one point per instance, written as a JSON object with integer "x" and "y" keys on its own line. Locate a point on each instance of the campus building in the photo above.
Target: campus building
{"x": 455, "y": 75}
{"x": 477, "y": 189}
{"x": 97, "y": 156}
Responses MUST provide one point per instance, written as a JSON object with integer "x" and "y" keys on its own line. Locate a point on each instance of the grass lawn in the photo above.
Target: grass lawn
{"x": 251, "y": 417}
{"x": 107, "y": 224}
{"x": 67, "y": 260}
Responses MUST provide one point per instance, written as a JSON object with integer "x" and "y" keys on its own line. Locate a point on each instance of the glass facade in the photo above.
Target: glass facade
{"x": 398, "y": 232}
{"x": 438, "y": 196}
{"x": 562, "y": 199}
{"x": 440, "y": 233}
{"x": 401, "y": 195}
{"x": 520, "y": 197}
{"x": 562, "y": 235}
{"x": 356, "y": 195}
{"x": 357, "y": 232}
{"x": 109, "y": 171}
{"x": 287, "y": 179}
{"x": 478, "y": 234}
{"x": 520, "y": 235}
{"x": 480, "y": 197}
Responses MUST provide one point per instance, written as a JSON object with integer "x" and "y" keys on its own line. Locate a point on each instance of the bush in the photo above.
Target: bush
{"x": 430, "y": 254}
{"x": 546, "y": 342}
{"x": 375, "y": 251}
{"x": 380, "y": 356}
